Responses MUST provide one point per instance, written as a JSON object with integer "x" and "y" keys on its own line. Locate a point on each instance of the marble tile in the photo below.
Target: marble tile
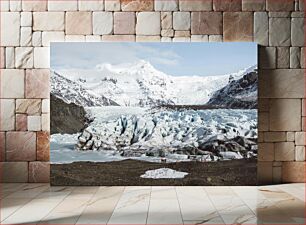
{"x": 132, "y": 207}
{"x": 37, "y": 83}
{"x": 29, "y": 191}
{"x": 41, "y": 207}
{"x": 7, "y": 114}
{"x": 195, "y": 204}
{"x": 12, "y": 83}
{"x": 21, "y": 122}
{"x": 39, "y": 172}
{"x": 2, "y": 146}
{"x": 43, "y": 146}
{"x": 100, "y": 208}
{"x": 164, "y": 206}
{"x": 20, "y": 146}
{"x": 9, "y": 206}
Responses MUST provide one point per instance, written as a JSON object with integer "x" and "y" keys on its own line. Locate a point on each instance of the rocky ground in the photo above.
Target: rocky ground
{"x": 128, "y": 173}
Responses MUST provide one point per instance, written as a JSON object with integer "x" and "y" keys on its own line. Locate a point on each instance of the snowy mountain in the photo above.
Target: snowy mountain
{"x": 73, "y": 92}
{"x": 136, "y": 84}
{"x": 240, "y": 93}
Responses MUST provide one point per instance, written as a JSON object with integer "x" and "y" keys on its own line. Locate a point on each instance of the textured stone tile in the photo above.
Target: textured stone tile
{"x": 203, "y": 5}
{"x": 12, "y": 84}
{"x": 28, "y": 106}
{"x": 49, "y": 21}
{"x": 34, "y": 5}
{"x": 118, "y": 38}
{"x": 263, "y": 121}
{"x": 253, "y": 5}
{"x": 293, "y": 172}
{"x": 91, "y": 5}
{"x": 102, "y": 23}
{"x": 279, "y": 14}
{"x": 41, "y": 57}
{"x": 227, "y": 5}
{"x": 7, "y": 114}
{"x": 2, "y": 146}
{"x": 290, "y": 136}
{"x": 215, "y": 38}
{"x": 34, "y": 123}
{"x": 57, "y": 5}
{"x": 147, "y": 38}
{"x": 26, "y": 19}
{"x": 78, "y": 23}
{"x": 181, "y": 20}
{"x": 166, "y": 20}
{"x": 24, "y": 57}
{"x": 267, "y": 57}
{"x": 166, "y": 39}
{"x": 280, "y": 5}
{"x": 264, "y": 173}
{"x": 169, "y": 5}
{"x": 20, "y": 146}
{"x": 52, "y": 36}
{"x": 25, "y": 36}
{"x": 302, "y": 5}
{"x": 303, "y": 58}
{"x": 45, "y": 106}
{"x": 21, "y": 122}
{"x": 124, "y": 22}
{"x": 181, "y": 39}
{"x": 206, "y": 23}
{"x": 37, "y": 39}
{"x": 277, "y": 174}
{"x": 2, "y": 57}
{"x": 142, "y": 26}
{"x": 45, "y": 122}
{"x": 15, "y": 5}
{"x": 112, "y": 5}
{"x": 39, "y": 172}
{"x": 283, "y": 57}
{"x": 137, "y": 5}
{"x": 182, "y": 33}
{"x": 92, "y": 38}
{"x": 266, "y": 152}
{"x": 5, "y": 5}
{"x": 10, "y": 28}
{"x": 263, "y": 105}
{"x": 284, "y": 151}
{"x": 300, "y": 138}
{"x": 261, "y": 28}
{"x": 274, "y": 136}
{"x": 285, "y": 114}
{"x": 10, "y": 57}
{"x": 298, "y": 14}
{"x": 14, "y": 172}
{"x": 43, "y": 146}
{"x": 300, "y": 153}
{"x": 295, "y": 57}
{"x": 279, "y": 32}
{"x": 75, "y": 38}
{"x": 199, "y": 38}
{"x": 281, "y": 83}
{"x": 37, "y": 83}
{"x": 297, "y": 32}
{"x": 238, "y": 26}
{"x": 167, "y": 33}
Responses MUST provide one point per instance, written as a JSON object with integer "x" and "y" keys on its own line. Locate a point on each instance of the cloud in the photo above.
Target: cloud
{"x": 88, "y": 55}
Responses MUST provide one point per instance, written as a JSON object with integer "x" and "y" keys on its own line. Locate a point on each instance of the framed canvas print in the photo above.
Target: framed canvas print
{"x": 154, "y": 114}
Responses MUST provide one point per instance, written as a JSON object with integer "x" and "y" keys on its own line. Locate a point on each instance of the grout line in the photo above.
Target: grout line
{"x": 116, "y": 205}
{"x": 149, "y": 205}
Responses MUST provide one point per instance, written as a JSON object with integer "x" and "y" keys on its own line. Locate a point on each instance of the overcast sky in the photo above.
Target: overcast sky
{"x": 172, "y": 58}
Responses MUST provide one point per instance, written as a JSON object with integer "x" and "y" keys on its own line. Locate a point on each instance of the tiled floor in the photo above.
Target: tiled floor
{"x": 42, "y": 204}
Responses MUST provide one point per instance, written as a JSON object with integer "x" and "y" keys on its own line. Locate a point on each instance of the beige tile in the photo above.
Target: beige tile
{"x": 164, "y": 206}
{"x": 10, "y": 28}
{"x": 132, "y": 208}
{"x": 15, "y": 172}
{"x": 78, "y": 23}
{"x": 48, "y": 21}
{"x": 100, "y": 208}
{"x": 12, "y": 84}
{"x": 7, "y": 114}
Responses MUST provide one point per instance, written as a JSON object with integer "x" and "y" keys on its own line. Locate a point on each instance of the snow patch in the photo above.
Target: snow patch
{"x": 164, "y": 173}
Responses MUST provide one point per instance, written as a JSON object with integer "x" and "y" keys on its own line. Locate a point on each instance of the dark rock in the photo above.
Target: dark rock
{"x": 67, "y": 118}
